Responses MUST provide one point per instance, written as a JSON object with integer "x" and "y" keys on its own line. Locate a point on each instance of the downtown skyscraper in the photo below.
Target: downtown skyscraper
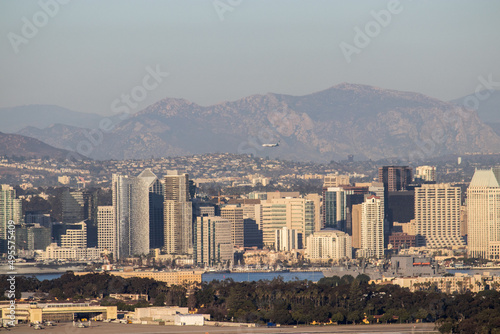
{"x": 132, "y": 209}
{"x": 178, "y": 211}
{"x": 10, "y": 209}
{"x": 483, "y": 214}
{"x": 437, "y": 215}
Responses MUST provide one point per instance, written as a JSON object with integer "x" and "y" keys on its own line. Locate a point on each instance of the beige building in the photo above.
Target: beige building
{"x": 357, "y": 210}
{"x": 450, "y": 284}
{"x": 58, "y": 312}
{"x": 182, "y": 277}
{"x": 106, "y": 229}
{"x": 234, "y": 213}
{"x": 483, "y": 214}
{"x": 437, "y": 215}
{"x": 335, "y": 180}
{"x": 328, "y": 244}
{"x": 286, "y": 212}
{"x": 213, "y": 242}
{"x": 177, "y": 214}
{"x": 75, "y": 237}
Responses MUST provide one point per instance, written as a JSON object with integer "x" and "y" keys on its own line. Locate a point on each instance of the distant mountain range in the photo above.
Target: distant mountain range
{"x": 369, "y": 122}
{"x": 18, "y": 145}
{"x": 41, "y": 116}
{"x": 488, "y": 107}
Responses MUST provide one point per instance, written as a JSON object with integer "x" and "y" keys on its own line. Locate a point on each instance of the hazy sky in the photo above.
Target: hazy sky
{"x": 86, "y": 54}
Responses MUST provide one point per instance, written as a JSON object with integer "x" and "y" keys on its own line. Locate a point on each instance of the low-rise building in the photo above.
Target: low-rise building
{"x": 58, "y": 312}
{"x": 188, "y": 277}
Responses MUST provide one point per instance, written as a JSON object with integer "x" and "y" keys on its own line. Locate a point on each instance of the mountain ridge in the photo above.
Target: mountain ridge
{"x": 367, "y": 121}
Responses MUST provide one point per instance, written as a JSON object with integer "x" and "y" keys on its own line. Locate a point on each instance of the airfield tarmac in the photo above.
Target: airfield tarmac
{"x": 111, "y": 328}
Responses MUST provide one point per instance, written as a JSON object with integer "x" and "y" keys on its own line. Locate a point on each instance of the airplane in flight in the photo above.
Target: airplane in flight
{"x": 271, "y": 145}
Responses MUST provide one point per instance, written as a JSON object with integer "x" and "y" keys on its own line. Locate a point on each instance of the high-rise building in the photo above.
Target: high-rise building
{"x": 483, "y": 214}
{"x": 425, "y": 173}
{"x": 32, "y": 237}
{"x": 75, "y": 236}
{"x": 234, "y": 213}
{"x": 395, "y": 178}
{"x": 137, "y": 210}
{"x": 122, "y": 204}
{"x": 106, "y": 229}
{"x": 213, "y": 241}
{"x": 285, "y": 212}
{"x": 148, "y": 211}
{"x": 437, "y": 215}
{"x": 252, "y": 233}
{"x": 372, "y": 228}
{"x": 316, "y": 199}
{"x": 357, "y": 209}
{"x": 177, "y": 214}
{"x": 10, "y": 209}
{"x": 328, "y": 244}
{"x": 287, "y": 239}
{"x": 334, "y": 208}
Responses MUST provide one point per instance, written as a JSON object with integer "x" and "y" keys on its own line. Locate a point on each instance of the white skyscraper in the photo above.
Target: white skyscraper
{"x": 131, "y": 202}
{"x": 483, "y": 214}
{"x": 372, "y": 227}
{"x": 437, "y": 215}
{"x": 178, "y": 214}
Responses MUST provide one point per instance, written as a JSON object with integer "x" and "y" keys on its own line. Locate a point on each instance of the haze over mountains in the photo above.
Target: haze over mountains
{"x": 369, "y": 122}
{"x": 22, "y": 146}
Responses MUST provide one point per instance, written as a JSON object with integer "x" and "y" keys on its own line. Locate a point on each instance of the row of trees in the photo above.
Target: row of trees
{"x": 342, "y": 300}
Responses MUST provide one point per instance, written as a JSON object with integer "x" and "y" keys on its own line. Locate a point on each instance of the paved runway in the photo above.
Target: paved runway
{"x": 109, "y": 328}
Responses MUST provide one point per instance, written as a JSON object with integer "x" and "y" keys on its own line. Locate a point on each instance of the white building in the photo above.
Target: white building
{"x": 329, "y": 244}
{"x": 131, "y": 202}
{"x": 372, "y": 228}
{"x": 483, "y": 214}
{"x": 189, "y": 320}
{"x": 426, "y": 173}
{"x": 437, "y": 215}
{"x": 54, "y": 252}
{"x": 287, "y": 239}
